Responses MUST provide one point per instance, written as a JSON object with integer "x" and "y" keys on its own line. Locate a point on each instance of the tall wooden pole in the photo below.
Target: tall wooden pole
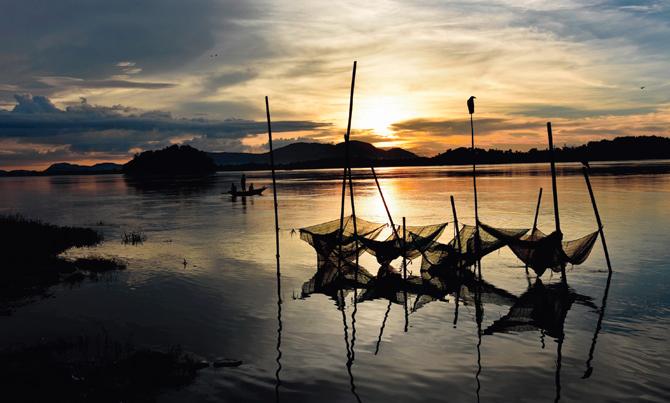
{"x": 404, "y": 249}
{"x": 474, "y": 181}
{"x": 404, "y": 268}
{"x": 279, "y": 300}
{"x": 471, "y": 110}
{"x": 388, "y": 212}
{"x": 537, "y": 210}
{"x": 555, "y": 193}
{"x": 348, "y": 163}
{"x": 585, "y": 169}
{"x": 274, "y": 183}
{"x": 347, "y": 171}
{"x": 553, "y": 177}
{"x": 537, "y": 213}
{"x": 457, "y": 228}
{"x": 341, "y": 233}
{"x": 458, "y": 266}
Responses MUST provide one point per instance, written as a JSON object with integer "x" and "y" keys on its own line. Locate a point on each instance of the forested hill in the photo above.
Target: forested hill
{"x": 617, "y": 149}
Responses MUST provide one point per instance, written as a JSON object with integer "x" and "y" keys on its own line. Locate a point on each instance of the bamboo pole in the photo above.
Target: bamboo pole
{"x": 388, "y": 212}
{"x": 279, "y": 299}
{"x": 404, "y": 249}
{"x": 555, "y": 193}
{"x": 471, "y": 110}
{"x": 458, "y": 242}
{"x": 537, "y": 210}
{"x": 404, "y": 268}
{"x": 453, "y": 211}
{"x": 347, "y": 170}
{"x": 585, "y": 169}
{"x": 274, "y": 183}
{"x": 474, "y": 183}
{"x": 553, "y": 177}
{"x": 341, "y": 233}
{"x": 537, "y": 213}
{"x": 348, "y": 162}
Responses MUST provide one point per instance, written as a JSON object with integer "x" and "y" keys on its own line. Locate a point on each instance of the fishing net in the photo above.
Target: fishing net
{"x": 327, "y": 240}
{"x": 463, "y": 250}
{"x": 419, "y": 239}
{"x": 541, "y": 252}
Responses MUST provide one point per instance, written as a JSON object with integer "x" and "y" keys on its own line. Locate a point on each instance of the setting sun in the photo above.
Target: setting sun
{"x": 379, "y": 113}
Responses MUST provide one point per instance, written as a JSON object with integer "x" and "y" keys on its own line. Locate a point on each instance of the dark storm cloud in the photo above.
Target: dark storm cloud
{"x": 90, "y": 39}
{"x": 118, "y": 129}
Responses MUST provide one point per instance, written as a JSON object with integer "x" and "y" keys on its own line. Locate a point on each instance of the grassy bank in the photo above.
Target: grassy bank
{"x": 92, "y": 370}
{"x": 30, "y": 253}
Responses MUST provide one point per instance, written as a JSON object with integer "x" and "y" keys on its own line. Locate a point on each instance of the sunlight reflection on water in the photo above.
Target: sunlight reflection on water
{"x": 223, "y": 303}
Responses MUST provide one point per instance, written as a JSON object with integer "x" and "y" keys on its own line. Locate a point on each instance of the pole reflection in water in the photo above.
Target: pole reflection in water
{"x": 381, "y": 330}
{"x": 599, "y": 324}
{"x": 352, "y": 355}
{"x": 479, "y": 315}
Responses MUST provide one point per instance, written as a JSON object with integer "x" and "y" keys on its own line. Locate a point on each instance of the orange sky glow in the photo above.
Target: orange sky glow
{"x": 597, "y": 70}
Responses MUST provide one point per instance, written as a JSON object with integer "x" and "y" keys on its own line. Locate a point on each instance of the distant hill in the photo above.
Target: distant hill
{"x": 299, "y": 153}
{"x": 173, "y": 160}
{"x": 65, "y": 168}
{"x": 618, "y": 149}
{"x": 185, "y": 159}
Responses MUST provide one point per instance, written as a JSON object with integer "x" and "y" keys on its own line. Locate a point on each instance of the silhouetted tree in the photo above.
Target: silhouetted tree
{"x": 173, "y": 160}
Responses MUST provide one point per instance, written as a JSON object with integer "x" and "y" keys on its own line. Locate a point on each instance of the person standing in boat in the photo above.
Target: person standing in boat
{"x": 243, "y": 182}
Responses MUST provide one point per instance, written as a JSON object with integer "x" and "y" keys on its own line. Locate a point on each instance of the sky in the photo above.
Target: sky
{"x": 100, "y": 80}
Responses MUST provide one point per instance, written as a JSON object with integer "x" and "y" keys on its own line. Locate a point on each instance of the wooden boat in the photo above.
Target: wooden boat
{"x": 255, "y": 192}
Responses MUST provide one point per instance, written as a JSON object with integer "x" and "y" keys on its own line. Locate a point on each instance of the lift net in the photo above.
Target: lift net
{"x": 541, "y": 252}
{"x": 464, "y": 250}
{"x": 418, "y": 240}
{"x": 328, "y": 242}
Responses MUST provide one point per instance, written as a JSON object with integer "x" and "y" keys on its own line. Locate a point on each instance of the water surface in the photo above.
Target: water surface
{"x": 223, "y": 302}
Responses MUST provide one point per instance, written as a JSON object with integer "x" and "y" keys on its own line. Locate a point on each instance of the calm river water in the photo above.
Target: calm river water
{"x": 223, "y": 302}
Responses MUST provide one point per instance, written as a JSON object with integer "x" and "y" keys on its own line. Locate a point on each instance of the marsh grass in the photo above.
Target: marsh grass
{"x": 23, "y": 239}
{"x": 29, "y": 252}
{"x": 94, "y": 369}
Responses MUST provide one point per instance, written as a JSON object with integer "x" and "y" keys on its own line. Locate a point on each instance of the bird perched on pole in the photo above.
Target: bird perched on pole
{"x": 471, "y": 105}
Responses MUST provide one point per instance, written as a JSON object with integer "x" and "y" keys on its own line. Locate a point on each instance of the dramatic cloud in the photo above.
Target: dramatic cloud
{"x": 596, "y": 68}
{"x": 118, "y": 131}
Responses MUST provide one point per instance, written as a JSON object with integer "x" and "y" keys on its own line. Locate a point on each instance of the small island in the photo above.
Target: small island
{"x": 172, "y": 160}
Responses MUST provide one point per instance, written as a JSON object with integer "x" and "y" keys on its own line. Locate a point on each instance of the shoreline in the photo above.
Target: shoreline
{"x": 595, "y": 164}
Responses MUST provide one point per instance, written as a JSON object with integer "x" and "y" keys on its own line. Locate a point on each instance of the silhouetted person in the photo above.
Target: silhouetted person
{"x": 471, "y": 105}
{"x": 233, "y": 188}
{"x": 243, "y": 182}
{"x": 251, "y": 187}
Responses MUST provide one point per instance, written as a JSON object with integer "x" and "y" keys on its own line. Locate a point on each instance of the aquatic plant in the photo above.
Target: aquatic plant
{"x": 23, "y": 239}
{"x": 30, "y": 252}
{"x": 133, "y": 238}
